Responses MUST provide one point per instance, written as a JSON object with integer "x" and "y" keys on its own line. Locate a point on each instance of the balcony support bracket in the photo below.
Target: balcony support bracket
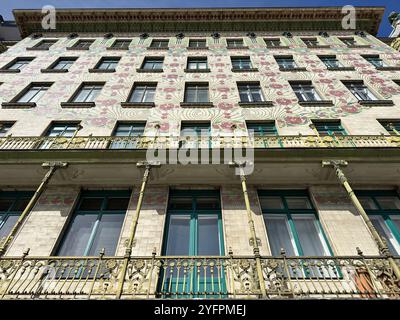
{"x": 52, "y": 168}
{"x": 381, "y": 243}
{"x": 254, "y": 240}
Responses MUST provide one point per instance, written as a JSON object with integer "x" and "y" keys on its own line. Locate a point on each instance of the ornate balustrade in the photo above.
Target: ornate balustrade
{"x": 173, "y": 142}
{"x": 102, "y": 277}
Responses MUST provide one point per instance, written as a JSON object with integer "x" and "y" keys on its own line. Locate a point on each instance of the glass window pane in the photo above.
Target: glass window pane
{"x": 209, "y": 203}
{"x": 367, "y": 203}
{"x": 178, "y": 235}
{"x": 77, "y": 238}
{"x": 7, "y": 225}
{"x": 310, "y": 236}
{"x": 208, "y": 236}
{"x": 107, "y": 234}
{"x": 385, "y": 232}
{"x": 279, "y": 235}
{"x": 180, "y": 204}
{"x": 91, "y": 204}
{"x": 120, "y": 204}
{"x": 298, "y": 203}
{"x": 20, "y": 204}
{"x": 5, "y": 204}
{"x": 389, "y": 203}
{"x": 273, "y": 203}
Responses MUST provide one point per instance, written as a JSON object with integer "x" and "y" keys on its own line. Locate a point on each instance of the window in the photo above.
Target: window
{"x": 96, "y": 224}
{"x": 196, "y": 93}
{"x": 197, "y": 128}
{"x": 325, "y": 128}
{"x": 143, "y": 93}
{"x": 193, "y": 228}
{"x": 376, "y": 61}
{"x": 383, "y": 208}
{"x": 286, "y": 63}
{"x": 197, "y": 43}
{"x": 250, "y": 92}
{"x": 121, "y": 44}
{"x": 82, "y": 44}
{"x": 87, "y": 92}
{"x": 194, "y": 63}
{"x": 235, "y": 43}
{"x": 273, "y": 42}
{"x": 305, "y": 92}
{"x": 331, "y": 62}
{"x": 33, "y": 93}
{"x": 153, "y": 64}
{"x": 11, "y": 206}
{"x": 63, "y": 63}
{"x": 57, "y": 130}
{"x": 360, "y": 91}
{"x": 262, "y": 128}
{"x": 292, "y": 224}
{"x": 4, "y": 128}
{"x": 44, "y": 44}
{"x": 18, "y": 64}
{"x": 348, "y": 41}
{"x": 311, "y": 42}
{"x": 127, "y": 129}
{"x": 159, "y": 44}
{"x": 108, "y": 63}
{"x": 391, "y": 126}
{"x": 241, "y": 63}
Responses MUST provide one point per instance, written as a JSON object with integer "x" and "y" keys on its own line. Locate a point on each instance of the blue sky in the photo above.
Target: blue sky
{"x": 8, "y": 5}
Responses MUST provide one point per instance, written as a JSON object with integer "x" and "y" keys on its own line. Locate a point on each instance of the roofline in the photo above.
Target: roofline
{"x": 192, "y": 19}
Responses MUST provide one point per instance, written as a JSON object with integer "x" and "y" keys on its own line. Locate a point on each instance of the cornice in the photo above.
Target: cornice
{"x": 215, "y": 19}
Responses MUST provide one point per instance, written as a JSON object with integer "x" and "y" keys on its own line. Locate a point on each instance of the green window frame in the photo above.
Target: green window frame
{"x": 106, "y": 207}
{"x": 385, "y": 218}
{"x": 287, "y": 210}
{"x": 329, "y": 128}
{"x": 12, "y": 204}
{"x": 266, "y": 128}
{"x": 193, "y": 205}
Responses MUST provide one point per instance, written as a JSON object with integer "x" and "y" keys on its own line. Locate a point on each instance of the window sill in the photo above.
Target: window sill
{"x": 197, "y": 104}
{"x": 394, "y": 68}
{"x": 10, "y": 70}
{"x": 319, "y": 47}
{"x": 138, "y": 104}
{"x": 234, "y": 48}
{"x": 316, "y": 103}
{"x": 256, "y": 104}
{"x": 278, "y": 47}
{"x": 111, "y": 48}
{"x": 37, "y": 49}
{"x": 156, "y": 48}
{"x": 53, "y": 70}
{"x": 359, "y": 46}
{"x": 292, "y": 69}
{"x": 78, "y": 104}
{"x": 376, "y": 102}
{"x": 245, "y": 70}
{"x": 197, "y": 48}
{"x": 80, "y": 49}
{"x": 149, "y": 70}
{"x": 342, "y": 69}
{"x": 18, "y": 105}
{"x": 197, "y": 70}
{"x": 101, "y": 70}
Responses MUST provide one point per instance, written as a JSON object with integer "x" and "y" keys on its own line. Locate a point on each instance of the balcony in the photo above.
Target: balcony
{"x": 11, "y": 143}
{"x": 350, "y": 277}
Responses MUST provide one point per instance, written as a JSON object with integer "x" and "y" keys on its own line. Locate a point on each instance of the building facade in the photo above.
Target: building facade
{"x": 90, "y": 209}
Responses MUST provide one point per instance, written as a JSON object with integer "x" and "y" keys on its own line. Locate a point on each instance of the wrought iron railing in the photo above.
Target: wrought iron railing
{"x": 173, "y": 142}
{"x": 357, "y": 277}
